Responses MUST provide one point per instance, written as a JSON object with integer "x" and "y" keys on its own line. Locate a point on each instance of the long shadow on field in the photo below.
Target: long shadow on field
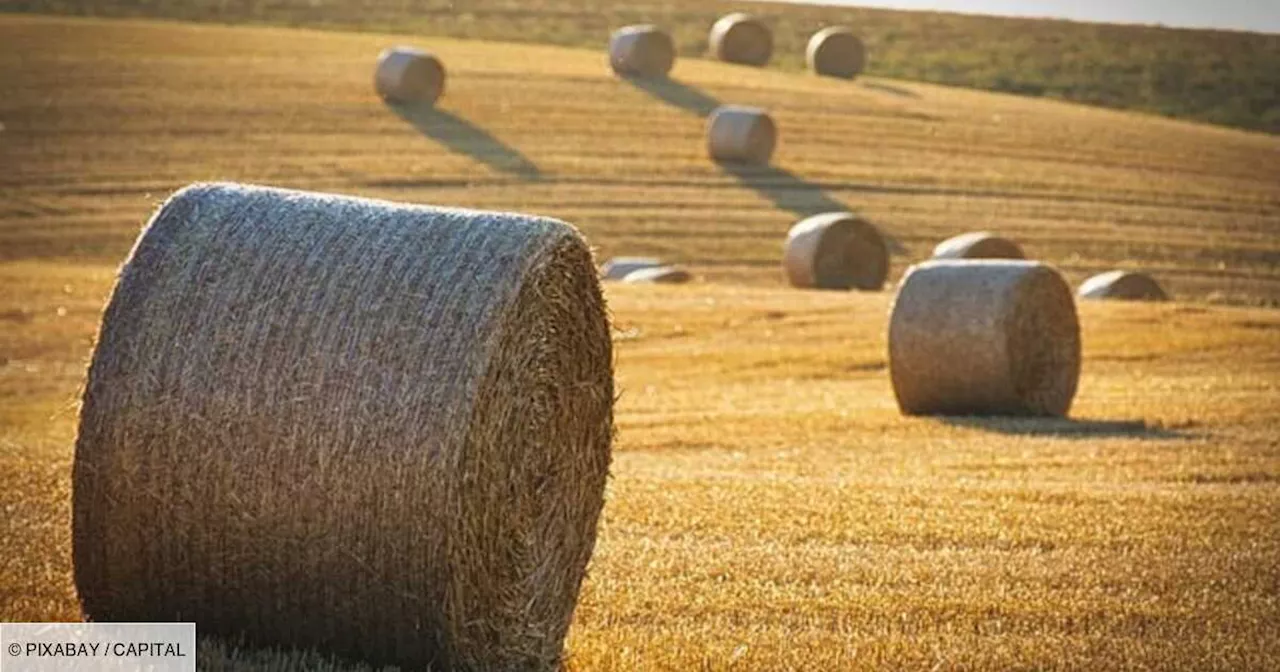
{"x": 461, "y": 136}
{"x": 1067, "y": 428}
{"x": 785, "y": 189}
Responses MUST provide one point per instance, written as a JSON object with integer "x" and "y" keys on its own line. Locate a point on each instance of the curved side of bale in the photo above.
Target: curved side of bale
{"x": 408, "y": 75}
{"x": 978, "y": 245}
{"x": 662, "y": 275}
{"x": 836, "y": 250}
{"x": 741, "y": 38}
{"x": 617, "y": 268}
{"x": 984, "y": 338}
{"x": 643, "y": 51}
{"x": 1122, "y": 285}
{"x": 377, "y": 430}
{"x": 739, "y": 134}
{"x": 836, "y": 52}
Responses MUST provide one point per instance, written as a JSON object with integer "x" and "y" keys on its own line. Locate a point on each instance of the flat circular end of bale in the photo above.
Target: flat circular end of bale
{"x": 660, "y": 275}
{"x": 741, "y": 38}
{"x": 984, "y": 338}
{"x": 978, "y": 245}
{"x": 617, "y": 268}
{"x": 836, "y": 52}
{"x": 836, "y": 250}
{"x": 1124, "y": 286}
{"x": 641, "y": 51}
{"x": 378, "y": 430}
{"x": 409, "y": 75}
{"x": 740, "y": 134}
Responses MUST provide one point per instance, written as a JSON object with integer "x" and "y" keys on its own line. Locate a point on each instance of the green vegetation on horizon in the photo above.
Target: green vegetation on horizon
{"x": 1229, "y": 78}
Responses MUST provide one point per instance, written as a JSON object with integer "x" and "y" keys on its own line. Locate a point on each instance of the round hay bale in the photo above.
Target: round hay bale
{"x": 741, "y": 38}
{"x": 408, "y": 75}
{"x": 739, "y": 134}
{"x": 836, "y": 250}
{"x": 1123, "y": 285}
{"x": 836, "y": 52}
{"x": 323, "y": 422}
{"x": 984, "y": 338}
{"x": 978, "y": 245}
{"x": 644, "y": 51}
{"x": 617, "y": 268}
{"x": 662, "y": 275}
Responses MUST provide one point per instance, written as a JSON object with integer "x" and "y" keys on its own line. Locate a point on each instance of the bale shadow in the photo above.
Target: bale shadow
{"x": 676, "y": 93}
{"x": 463, "y": 137}
{"x": 1067, "y": 428}
{"x": 894, "y": 90}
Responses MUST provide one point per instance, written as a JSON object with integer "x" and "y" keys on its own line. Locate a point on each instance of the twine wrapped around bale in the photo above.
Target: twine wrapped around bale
{"x": 978, "y": 245}
{"x": 618, "y": 268}
{"x": 836, "y": 250}
{"x": 738, "y": 134}
{"x": 662, "y": 275}
{"x": 741, "y": 38}
{"x": 1122, "y": 285}
{"x": 984, "y": 338}
{"x": 643, "y": 51}
{"x": 377, "y": 430}
{"x": 409, "y": 75}
{"x": 836, "y": 52}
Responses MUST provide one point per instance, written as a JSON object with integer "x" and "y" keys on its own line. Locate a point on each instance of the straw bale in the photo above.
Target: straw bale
{"x": 377, "y": 430}
{"x": 978, "y": 245}
{"x": 984, "y": 338}
{"x": 409, "y": 75}
{"x": 617, "y": 268}
{"x": 836, "y": 250}
{"x": 664, "y": 275}
{"x": 1123, "y": 285}
{"x": 836, "y": 52}
{"x": 738, "y": 134}
{"x": 741, "y": 38}
{"x": 644, "y": 51}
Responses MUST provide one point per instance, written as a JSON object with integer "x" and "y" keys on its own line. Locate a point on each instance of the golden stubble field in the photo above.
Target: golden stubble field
{"x": 769, "y": 509}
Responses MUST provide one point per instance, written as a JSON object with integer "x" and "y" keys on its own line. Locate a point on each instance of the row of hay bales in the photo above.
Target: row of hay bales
{"x": 645, "y": 50}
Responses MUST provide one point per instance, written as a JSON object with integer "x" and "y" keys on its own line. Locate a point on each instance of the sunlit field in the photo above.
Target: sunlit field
{"x": 769, "y": 506}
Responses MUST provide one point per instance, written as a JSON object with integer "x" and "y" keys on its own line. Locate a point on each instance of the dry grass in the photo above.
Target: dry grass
{"x": 770, "y": 509}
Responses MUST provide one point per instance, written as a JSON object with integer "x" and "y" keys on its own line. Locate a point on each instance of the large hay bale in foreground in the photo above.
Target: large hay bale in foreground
{"x": 617, "y": 268}
{"x": 978, "y": 245}
{"x": 660, "y": 275}
{"x": 739, "y": 134}
{"x": 409, "y": 75}
{"x": 984, "y": 338}
{"x": 1122, "y": 285}
{"x": 836, "y": 250}
{"x": 644, "y": 51}
{"x": 741, "y": 38}
{"x": 836, "y": 52}
{"x": 377, "y": 430}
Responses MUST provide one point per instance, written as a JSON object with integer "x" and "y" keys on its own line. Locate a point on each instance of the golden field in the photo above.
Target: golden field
{"x": 770, "y": 509}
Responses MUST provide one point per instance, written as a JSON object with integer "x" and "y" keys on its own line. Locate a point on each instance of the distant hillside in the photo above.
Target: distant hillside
{"x": 1213, "y": 76}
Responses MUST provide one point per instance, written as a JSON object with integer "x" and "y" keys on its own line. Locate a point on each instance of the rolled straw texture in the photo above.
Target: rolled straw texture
{"x": 617, "y": 268}
{"x": 662, "y": 275}
{"x": 373, "y": 429}
{"x": 978, "y": 245}
{"x": 836, "y": 52}
{"x": 836, "y": 250}
{"x": 408, "y": 75}
{"x": 738, "y": 134}
{"x": 984, "y": 338}
{"x": 1123, "y": 285}
{"x": 644, "y": 51}
{"x": 741, "y": 38}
